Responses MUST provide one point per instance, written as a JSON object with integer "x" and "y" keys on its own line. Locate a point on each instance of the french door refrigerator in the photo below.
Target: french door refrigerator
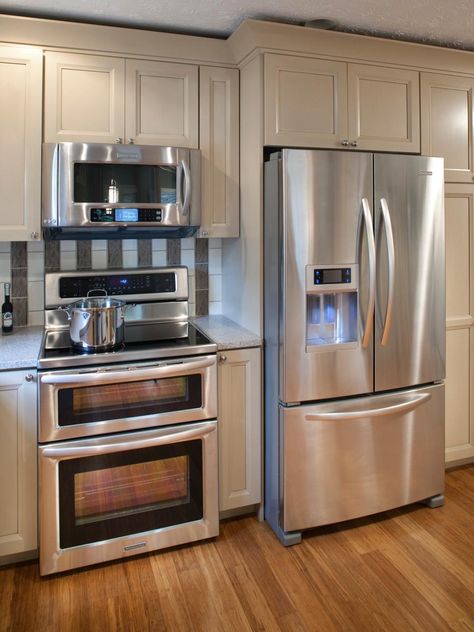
{"x": 354, "y": 336}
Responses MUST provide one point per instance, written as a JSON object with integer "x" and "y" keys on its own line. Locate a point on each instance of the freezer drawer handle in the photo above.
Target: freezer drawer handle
{"x": 396, "y": 409}
{"x": 391, "y": 270}
{"x": 369, "y": 230}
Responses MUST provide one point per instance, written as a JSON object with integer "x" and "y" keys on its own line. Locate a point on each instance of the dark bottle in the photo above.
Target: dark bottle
{"x": 7, "y": 311}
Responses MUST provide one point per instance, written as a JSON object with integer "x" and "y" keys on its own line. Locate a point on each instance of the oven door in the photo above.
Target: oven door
{"x": 114, "y": 496}
{"x": 116, "y": 398}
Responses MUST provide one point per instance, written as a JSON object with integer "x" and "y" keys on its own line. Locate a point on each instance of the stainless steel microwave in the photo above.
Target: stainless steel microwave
{"x": 93, "y": 189}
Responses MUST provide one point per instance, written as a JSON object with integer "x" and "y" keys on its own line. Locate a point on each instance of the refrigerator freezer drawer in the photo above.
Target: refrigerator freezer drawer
{"x": 356, "y": 457}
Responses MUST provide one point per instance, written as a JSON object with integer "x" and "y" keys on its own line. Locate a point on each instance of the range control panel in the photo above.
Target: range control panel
{"x": 118, "y": 284}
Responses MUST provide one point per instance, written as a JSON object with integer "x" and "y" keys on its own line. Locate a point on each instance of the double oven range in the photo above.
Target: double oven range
{"x": 128, "y": 437}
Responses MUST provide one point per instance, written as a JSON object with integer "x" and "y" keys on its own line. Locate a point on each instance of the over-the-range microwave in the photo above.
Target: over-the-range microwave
{"x": 93, "y": 190}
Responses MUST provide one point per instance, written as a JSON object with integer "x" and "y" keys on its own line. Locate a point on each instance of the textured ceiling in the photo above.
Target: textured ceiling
{"x": 445, "y": 22}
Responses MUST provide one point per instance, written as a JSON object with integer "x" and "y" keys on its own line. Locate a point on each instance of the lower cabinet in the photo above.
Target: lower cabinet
{"x": 18, "y": 492}
{"x": 240, "y": 428}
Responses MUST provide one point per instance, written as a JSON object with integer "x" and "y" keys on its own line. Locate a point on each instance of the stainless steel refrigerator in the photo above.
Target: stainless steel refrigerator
{"x": 354, "y": 336}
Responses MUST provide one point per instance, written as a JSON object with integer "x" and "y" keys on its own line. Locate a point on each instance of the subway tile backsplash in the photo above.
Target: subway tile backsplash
{"x": 23, "y": 265}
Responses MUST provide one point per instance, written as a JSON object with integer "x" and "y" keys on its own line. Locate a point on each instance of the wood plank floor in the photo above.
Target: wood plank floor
{"x": 409, "y": 569}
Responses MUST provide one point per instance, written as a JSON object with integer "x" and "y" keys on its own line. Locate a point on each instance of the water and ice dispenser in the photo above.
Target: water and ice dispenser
{"x": 332, "y": 307}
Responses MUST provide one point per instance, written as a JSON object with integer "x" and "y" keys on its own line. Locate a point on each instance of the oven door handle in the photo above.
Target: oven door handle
{"x": 131, "y": 374}
{"x": 124, "y": 443}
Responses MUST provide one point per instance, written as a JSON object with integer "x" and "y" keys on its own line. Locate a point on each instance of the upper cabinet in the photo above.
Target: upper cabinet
{"x": 20, "y": 153}
{"x": 320, "y": 103}
{"x": 447, "y": 123}
{"x": 91, "y": 98}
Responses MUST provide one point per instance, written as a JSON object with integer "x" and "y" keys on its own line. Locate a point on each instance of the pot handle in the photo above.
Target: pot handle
{"x": 65, "y": 308}
{"x": 97, "y": 289}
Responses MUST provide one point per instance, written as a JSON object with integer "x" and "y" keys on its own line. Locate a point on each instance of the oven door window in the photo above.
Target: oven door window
{"x": 123, "y": 493}
{"x": 88, "y": 404}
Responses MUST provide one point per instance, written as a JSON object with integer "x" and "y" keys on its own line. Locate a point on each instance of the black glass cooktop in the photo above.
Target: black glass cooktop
{"x": 142, "y": 342}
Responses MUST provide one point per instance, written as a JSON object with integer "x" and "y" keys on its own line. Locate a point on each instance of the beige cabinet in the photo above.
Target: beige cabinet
{"x": 239, "y": 426}
{"x": 219, "y": 144}
{"x": 98, "y": 99}
{"x": 459, "y": 207}
{"x": 447, "y": 123}
{"x": 321, "y": 103}
{"x": 20, "y": 147}
{"x": 18, "y": 504}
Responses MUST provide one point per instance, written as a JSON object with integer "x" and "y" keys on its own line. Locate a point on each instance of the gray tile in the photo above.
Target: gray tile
{"x": 202, "y": 250}
{"x": 144, "y": 253}
{"x": 19, "y": 282}
{"x": 51, "y": 256}
{"x": 19, "y": 254}
{"x": 201, "y": 276}
{"x": 173, "y": 252}
{"x": 84, "y": 254}
{"x": 20, "y": 312}
{"x": 202, "y": 302}
{"x": 114, "y": 253}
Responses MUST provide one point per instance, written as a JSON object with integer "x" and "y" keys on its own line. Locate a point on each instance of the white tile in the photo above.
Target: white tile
{"x": 35, "y": 246}
{"x": 187, "y": 243}
{"x": 5, "y": 246}
{"x": 5, "y": 268}
{"x": 68, "y": 260}
{"x": 99, "y": 244}
{"x": 158, "y": 244}
{"x": 192, "y": 309}
{"x": 215, "y": 307}
{"x": 215, "y": 287}
{"x": 35, "y": 295}
{"x": 129, "y": 244}
{"x": 130, "y": 258}
{"x": 35, "y": 266}
{"x": 187, "y": 259}
{"x": 158, "y": 258}
{"x": 215, "y": 243}
{"x": 36, "y": 318}
{"x": 68, "y": 245}
{"x": 215, "y": 261}
{"x": 192, "y": 289}
{"x": 99, "y": 259}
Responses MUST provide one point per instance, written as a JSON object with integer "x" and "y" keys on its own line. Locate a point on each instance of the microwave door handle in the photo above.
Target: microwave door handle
{"x": 369, "y": 231}
{"x": 186, "y": 178}
{"x": 391, "y": 270}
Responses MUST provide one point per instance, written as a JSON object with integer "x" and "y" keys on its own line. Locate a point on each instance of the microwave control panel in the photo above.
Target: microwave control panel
{"x": 126, "y": 215}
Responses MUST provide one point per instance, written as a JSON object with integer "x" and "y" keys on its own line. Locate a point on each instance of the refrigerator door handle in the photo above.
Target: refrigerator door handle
{"x": 395, "y": 409}
{"x": 391, "y": 270}
{"x": 369, "y": 230}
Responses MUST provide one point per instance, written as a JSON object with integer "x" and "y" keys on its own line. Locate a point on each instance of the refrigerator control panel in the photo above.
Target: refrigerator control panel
{"x": 332, "y": 278}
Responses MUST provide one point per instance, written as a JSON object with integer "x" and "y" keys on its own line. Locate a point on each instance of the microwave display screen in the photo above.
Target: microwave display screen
{"x": 126, "y": 215}
{"x": 119, "y": 183}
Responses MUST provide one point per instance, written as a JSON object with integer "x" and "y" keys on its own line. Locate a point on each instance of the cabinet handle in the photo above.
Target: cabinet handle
{"x": 29, "y": 377}
{"x": 222, "y": 358}
{"x": 353, "y": 143}
{"x": 119, "y": 141}
{"x": 130, "y": 141}
{"x": 34, "y": 235}
{"x": 345, "y": 143}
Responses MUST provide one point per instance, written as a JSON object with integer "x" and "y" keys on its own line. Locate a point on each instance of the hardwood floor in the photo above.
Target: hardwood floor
{"x": 409, "y": 569}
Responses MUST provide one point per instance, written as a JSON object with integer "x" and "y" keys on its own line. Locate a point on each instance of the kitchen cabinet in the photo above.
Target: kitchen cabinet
{"x": 459, "y": 208}
{"x": 20, "y": 153}
{"x": 98, "y": 99}
{"x": 239, "y": 426}
{"x": 447, "y": 123}
{"x": 18, "y": 503}
{"x": 322, "y": 103}
{"x": 219, "y": 144}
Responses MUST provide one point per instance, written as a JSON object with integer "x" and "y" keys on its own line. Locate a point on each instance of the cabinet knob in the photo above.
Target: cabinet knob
{"x": 353, "y": 143}
{"x": 119, "y": 141}
{"x": 204, "y": 233}
{"x": 222, "y": 358}
{"x": 29, "y": 377}
{"x": 130, "y": 141}
{"x": 345, "y": 143}
{"x": 34, "y": 235}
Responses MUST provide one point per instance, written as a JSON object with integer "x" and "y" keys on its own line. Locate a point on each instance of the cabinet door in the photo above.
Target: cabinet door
{"x": 384, "y": 108}
{"x": 84, "y": 98}
{"x": 459, "y": 322}
{"x": 18, "y": 514}
{"x": 446, "y": 123}
{"x": 219, "y": 142}
{"x": 305, "y": 102}
{"x": 20, "y": 147}
{"x": 239, "y": 424}
{"x": 162, "y": 103}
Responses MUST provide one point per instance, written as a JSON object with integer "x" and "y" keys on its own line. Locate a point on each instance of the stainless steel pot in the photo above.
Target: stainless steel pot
{"x": 96, "y": 323}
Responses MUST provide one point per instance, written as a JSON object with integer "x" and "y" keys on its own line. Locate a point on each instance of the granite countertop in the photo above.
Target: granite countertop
{"x": 20, "y": 349}
{"x": 225, "y": 333}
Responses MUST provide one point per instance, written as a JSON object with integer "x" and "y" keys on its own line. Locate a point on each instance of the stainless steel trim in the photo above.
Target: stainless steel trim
{"x": 187, "y": 187}
{"x": 369, "y": 230}
{"x": 391, "y": 270}
{"x": 394, "y": 409}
